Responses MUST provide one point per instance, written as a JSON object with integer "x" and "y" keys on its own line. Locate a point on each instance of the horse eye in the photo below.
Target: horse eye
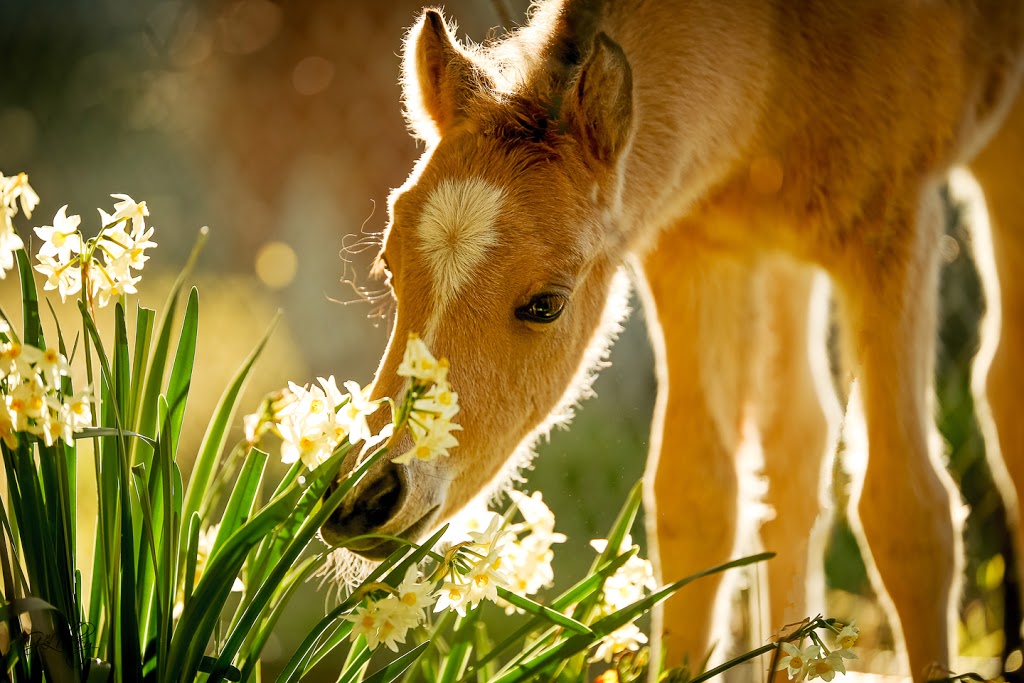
{"x": 543, "y": 308}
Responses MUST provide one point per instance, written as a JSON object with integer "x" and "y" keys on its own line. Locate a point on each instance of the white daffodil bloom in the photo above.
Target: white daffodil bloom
{"x": 419, "y": 363}
{"x": 440, "y": 401}
{"x": 795, "y": 661}
{"x": 109, "y": 286}
{"x": 847, "y": 637}
{"x": 535, "y": 512}
{"x": 18, "y": 360}
{"x": 366, "y": 623}
{"x": 78, "y": 411}
{"x": 61, "y": 241}
{"x": 52, "y": 365}
{"x": 414, "y": 594}
{"x": 432, "y": 438}
{"x": 628, "y": 637}
{"x": 136, "y": 212}
{"x": 304, "y": 440}
{"x": 352, "y": 415}
{"x": 330, "y": 388}
{"x": 453, "y": 596}
{"x": 8, "y": 428}
{"x": 65, "y": 278}
{"x": 828, "y": 666}
{"x": 9, "y": 244}
{"x": 628, "y": 583}
{"x": 14, "y": 188}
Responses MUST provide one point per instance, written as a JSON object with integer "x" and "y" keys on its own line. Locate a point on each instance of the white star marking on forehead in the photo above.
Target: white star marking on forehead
{"x": 456, "y": 230}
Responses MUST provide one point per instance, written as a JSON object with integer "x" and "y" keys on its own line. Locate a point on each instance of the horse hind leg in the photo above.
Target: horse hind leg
{"x": 999, "y": 368}
{"x": 887, "y": 288}
{"x": 798, "y": 416}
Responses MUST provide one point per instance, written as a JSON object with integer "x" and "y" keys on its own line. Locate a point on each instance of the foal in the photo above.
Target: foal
{"x": 727, "y": 154}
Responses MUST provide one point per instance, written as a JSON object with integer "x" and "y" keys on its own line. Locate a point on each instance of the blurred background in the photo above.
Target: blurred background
{"x": 278, "y": 124}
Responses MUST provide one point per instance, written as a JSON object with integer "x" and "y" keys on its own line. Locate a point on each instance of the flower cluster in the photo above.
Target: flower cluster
{"x": 627, "y": 585}
{"x": 529, "y": 551}
{"x": 71, "y": 262}
{"x": 433, "y": 403}
{"x": 30, "y": 394}
{"x": 494, "y": 555}
{"x": 816, "y": 660}
{"x": 474, "y": 569}
{"x": 389, "y": 619}
{"x": 313, "y": 420}
{"x": 13, "y": 189}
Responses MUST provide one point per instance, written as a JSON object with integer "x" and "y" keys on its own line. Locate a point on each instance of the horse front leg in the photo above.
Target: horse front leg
{"x": 699, "y": 309}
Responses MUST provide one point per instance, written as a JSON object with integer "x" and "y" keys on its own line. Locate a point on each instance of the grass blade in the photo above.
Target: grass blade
{"x": 217, "y": 434}
{"x": 395, "y": 669}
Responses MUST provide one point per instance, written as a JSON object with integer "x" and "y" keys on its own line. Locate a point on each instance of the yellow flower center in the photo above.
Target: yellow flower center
{"x": 821, "y": 666}
{"x": 368, "y": 621}
{"x": 58, "y": 238}
{"x": 37, "y": 403}
{"x": 316, "y": 406}
{"x": 409, "y": 599}
{"x": 12, "y": 351}
{"x": 78, "y": 407}
{"x": 454, "y": 594}
{"x": 17, "y": 405}
{"x": 482, "y": 579}
{"x": 51, "y": 356}
{"x": 306, "y": 443}
{"x": 445, "y": 398}
{"x": 422, "y": 452}
{"x": 136, "y": 253}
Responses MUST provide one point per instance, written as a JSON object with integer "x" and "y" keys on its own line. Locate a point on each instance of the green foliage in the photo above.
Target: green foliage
{"x": 170, "y": 550}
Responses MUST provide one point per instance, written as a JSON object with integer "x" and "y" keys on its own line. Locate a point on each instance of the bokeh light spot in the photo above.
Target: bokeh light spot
{"x": 247, "y": 26}
{"x": 276, "y": 264}
{"x": 312, "y": 75}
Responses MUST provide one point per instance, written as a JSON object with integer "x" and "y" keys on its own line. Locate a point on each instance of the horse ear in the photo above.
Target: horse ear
{"x": 599, "y": 105}
{"x": 438, "y": 78}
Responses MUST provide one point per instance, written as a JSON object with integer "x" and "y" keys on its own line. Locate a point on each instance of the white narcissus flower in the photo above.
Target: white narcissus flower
{"x": 628, "y": 637}
{"x": 453, "y": 596}
{"x": 52, "y": 366}
{"x": 388, "y": 620}
{"x": 440, "y": 401}
{"x": 366, "y": 623}
{"x": 432, "y": 438}
{"x": 847, "y": 637}
{"x": 304, "y": 440}
{"x": 9, "y": 244}
{"x": 828, "y": 666}
{"x": 65, "y": 278}
{"x": 795, "y": 661}
{"x": 17, "y": 359}
{"x": 61, "y": 240}
{"x": 419, "y": 363}
{"x": 352, "y": 415}
{"x": 414, "y": 594}
{"x": 134, "y": 211}
{"x": 14, "y": 188}
{"x": 627, "y": 584}
{"x": 8, "y": 428}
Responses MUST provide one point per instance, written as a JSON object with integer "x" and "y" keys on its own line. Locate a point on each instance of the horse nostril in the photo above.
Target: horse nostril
{"x": 379, "y": 502}
{"x": 374, "y": 507}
